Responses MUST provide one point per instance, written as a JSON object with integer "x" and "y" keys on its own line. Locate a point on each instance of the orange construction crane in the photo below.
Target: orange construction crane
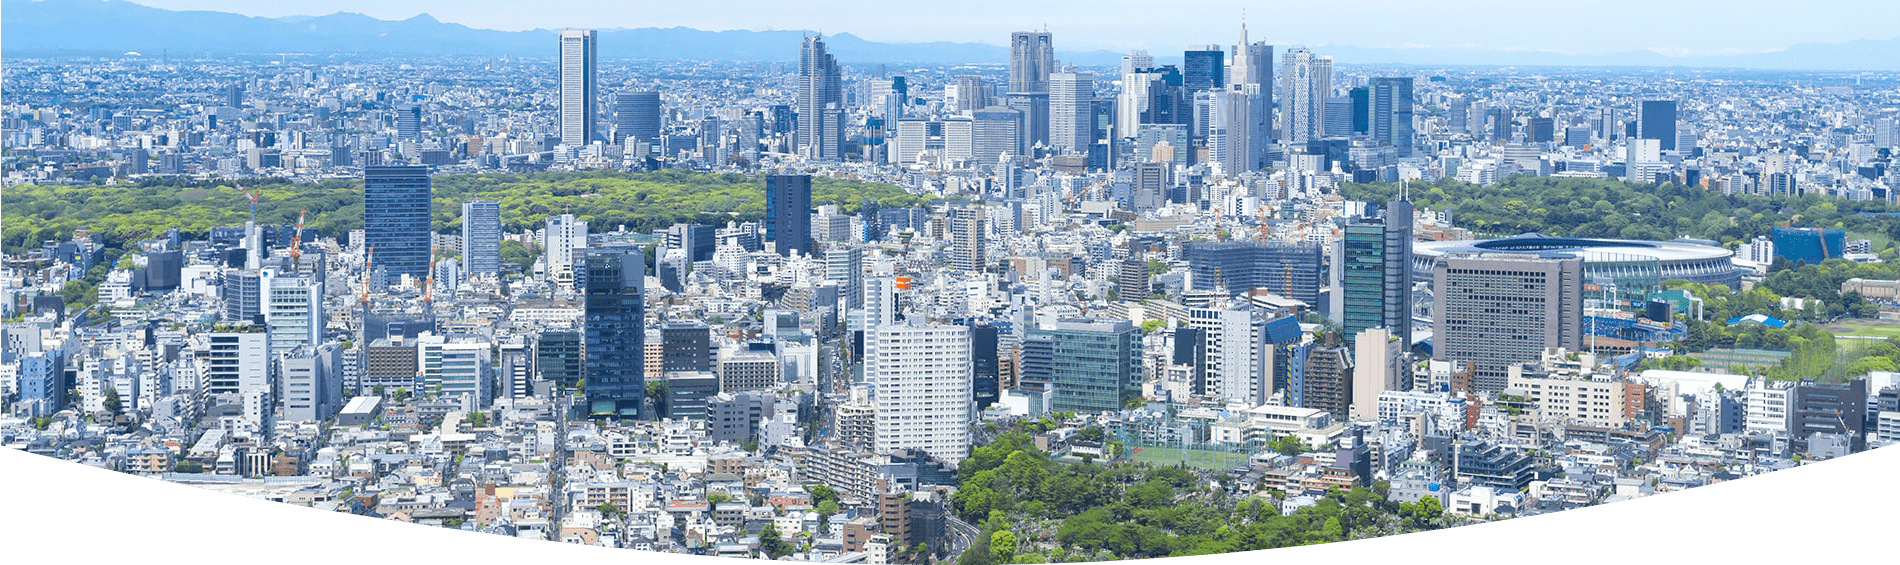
{"x": 428, "y": 283}
{"x": 296, "y": 249}
{"x": 368, "y": 255}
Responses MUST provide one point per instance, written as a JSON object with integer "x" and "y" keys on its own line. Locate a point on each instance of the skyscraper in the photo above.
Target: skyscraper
{"x": 637, "y": 115}
{"x": 578, "y": 114}
{"x": 1031, "y": 58}
{"x": 820, "y": 102}
{"x": 788, "y": 213}
{"x": 686, "y": 346}
{"x": 921, "y": 381}
{"x": 1096, "y": 364}
{"x": 1390, "y": 113}
{"x": 966, "y": 239}
{"x": 562, "y": 240}
{"x": 1497, "y": 309}
{"x": 396, "y": 212}
{"x": 1071, "y": 97}
{"x": 481, "y": 237}
{"x": 614, "y": 331}
{"x": 1305, "y": 85}
{"x": 973, "y": 93}
{"x": 1372, "y": 273}
{"x": 409, "y": 122}
{"x": 1203, "y": 68}
{"x": 1287, "y": 269}
{"x": 1658, "y": 122}
{"x": 845, "y": 266}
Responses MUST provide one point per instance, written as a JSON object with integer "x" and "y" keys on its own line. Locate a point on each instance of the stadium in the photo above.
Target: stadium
{"x": 1613, "y": 266}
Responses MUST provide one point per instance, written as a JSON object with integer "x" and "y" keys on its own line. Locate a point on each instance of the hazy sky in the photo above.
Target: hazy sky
{"x": 1671, "y": 27}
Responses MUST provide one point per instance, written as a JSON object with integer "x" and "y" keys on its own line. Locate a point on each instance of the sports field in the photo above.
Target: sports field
{"x": 1201, "y": 458}
{"x": 1865, "y": 330}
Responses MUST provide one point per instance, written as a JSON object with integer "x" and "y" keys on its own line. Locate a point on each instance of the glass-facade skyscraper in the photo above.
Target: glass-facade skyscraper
{"x": 579, "y": 117}
{"x": 396, "y": 212}
{"x": 614, "y": 330}
{"x": 1096, "y": 364}
{"x": 1372, "y": 273}
{"x": 481, "y": 237}
{"x": 1658, "y": 122}
{"x": 788, "y": 213}
{"x": 1391, "y": 113}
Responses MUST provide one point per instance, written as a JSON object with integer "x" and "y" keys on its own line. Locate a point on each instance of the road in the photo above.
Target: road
{"x": 961, "y": 536}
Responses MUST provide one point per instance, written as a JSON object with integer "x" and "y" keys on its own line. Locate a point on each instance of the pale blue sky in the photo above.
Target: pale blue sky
{"x": 1671, "y": 27}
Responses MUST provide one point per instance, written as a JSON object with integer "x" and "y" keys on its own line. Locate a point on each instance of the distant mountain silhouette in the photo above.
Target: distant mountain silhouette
{"x": 31, "y": 28}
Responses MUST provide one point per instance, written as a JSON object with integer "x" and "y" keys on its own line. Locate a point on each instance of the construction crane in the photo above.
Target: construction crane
{"x": 1263, "y": 223}
{"x": 296, "y": 249}
{"x": 368, "y": 256}
{"x": 428, "y": 282}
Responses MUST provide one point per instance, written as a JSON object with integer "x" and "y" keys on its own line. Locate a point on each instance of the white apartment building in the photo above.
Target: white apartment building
{"x": 564, "y": 236}
{"x": 920, "y": 378}
{"x": 1768, "y": 407}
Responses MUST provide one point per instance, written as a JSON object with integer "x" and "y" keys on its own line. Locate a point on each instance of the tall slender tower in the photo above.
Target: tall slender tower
{"x": 1390, "y": 113}
{"x": 1251, "y": 75}
{"x": 820, "y": 101}
{"x": 1306, "y": 84}
{"x": 1031, "y": 58}
{"x": 1071, "y": 97}
{"x": 578, "y": 114}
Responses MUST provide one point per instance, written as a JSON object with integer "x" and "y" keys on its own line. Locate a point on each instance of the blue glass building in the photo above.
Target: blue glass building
{"x": 396, "y": 213}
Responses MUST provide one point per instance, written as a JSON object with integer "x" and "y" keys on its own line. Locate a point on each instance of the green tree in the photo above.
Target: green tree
{"x": 112, "y": 400}
{"x": 772, "y": 545}
{"x": 1003, "y": 545}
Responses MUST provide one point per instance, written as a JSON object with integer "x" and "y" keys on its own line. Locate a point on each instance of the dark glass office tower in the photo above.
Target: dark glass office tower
{"x": 1204, "y": 69}
{"x": 1292, "y": 270}
{"x": 396, "y": 215}
{"x": 637, "y": 115}
{"x": 557, "y": 357}
{"x": 686, "y": 346}
{"x": 1361, "y": 109}
{"x": 788, "y": 213}
{"x": 984, "y": 387}
{"x": 1658, "y": 122}
{"x": 614, "y": 327}
{"x": 1372, "y": 274}
{"x": 1391, "y": 113}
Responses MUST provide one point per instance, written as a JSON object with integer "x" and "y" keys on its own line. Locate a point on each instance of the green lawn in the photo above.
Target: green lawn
{"x": 1199, "y": 458}
{"x": 1865, "y": 330}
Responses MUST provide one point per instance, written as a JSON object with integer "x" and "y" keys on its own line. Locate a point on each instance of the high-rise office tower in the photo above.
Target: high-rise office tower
{"x": 1203, "y": 68}
{"x": 637, "y": 115}
{"x": 1031, "y": 58}
{"x": 697, "y": 240}
{"x": 557, "y": 357}
{"x": 1502, "y": 122}
{"x": 973, "y": 93}
{"x": 293, "y": 311}
{"x": 880, "y": 302}
{"x": 234, "y": 95}
{"x": 1096, "y": 364}
{"x": 1136, "y": 61}
{"x": 1497, "y": 309}
{"x": 481, "y": 237}
{"x": 1133, "y": 282}
{"x": 1071, "y": 97}
{"x": 1245, "y": 107}
{"x": 1372, "y": 273}
{"x": 1287, "y": 269}
{"x": 1658, "y": 122}
{"x": 686, "y": 346}
{"x": 966, "y": 239}
{"x": 396, "y": 213}
{"x": 845, "y": 266}
{"x": 788, "y": 213}
{"x": 612, "y": 281}
{"x": 1540, "y": 130}
{"x": 1390, "y": 113}
{"x": 579, "y": 117}
{"x": 561, "y": 242}
{"x": 1361, "y": 98}
{"x": 1306, "y": 83}
{"x": 409, "y": 122}
{"x": 820, "y": 102}
{"x": 921, "y": 380}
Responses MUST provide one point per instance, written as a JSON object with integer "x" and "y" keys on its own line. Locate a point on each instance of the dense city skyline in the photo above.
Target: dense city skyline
{"x": 782, "y": 300}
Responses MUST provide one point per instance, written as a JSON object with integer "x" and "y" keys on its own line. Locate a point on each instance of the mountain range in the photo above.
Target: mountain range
{"x": 38, "y": 28}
